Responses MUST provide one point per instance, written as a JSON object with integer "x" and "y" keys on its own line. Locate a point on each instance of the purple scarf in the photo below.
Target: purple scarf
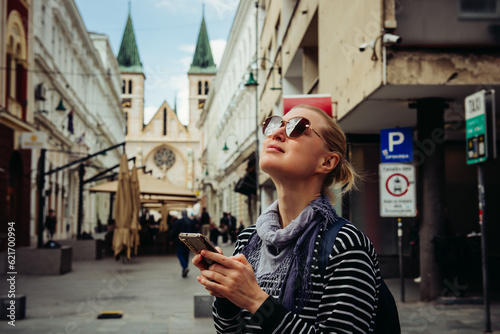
{"x": 293, "y": 246}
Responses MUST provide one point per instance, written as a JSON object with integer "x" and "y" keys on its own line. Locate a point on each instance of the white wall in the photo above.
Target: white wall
{"x": 82, "y": 71}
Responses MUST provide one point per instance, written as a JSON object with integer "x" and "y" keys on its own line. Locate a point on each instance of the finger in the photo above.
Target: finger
{"x": 198, "y": 262}
{"x": 213, "y": 293}
{"x": 221, "y": 259}
{"x": 211, "y": 284}
{"x": 219, "y": 250}
{"x": 240, "y": 258}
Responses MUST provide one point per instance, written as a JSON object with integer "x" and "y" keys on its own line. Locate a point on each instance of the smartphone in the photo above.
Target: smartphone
{"x": 197, "y": 242}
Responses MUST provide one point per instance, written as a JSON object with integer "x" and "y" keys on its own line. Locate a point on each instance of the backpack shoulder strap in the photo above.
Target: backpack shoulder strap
{"x": 327, "y": 242}
{"x": 387, "y": 318}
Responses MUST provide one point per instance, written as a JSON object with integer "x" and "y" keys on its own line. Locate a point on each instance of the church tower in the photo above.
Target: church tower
{"x": 200, "y": 76}
{"x": 133, "y": 82}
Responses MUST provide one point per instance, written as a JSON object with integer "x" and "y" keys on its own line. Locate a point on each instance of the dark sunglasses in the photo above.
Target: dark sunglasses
{"x": 294, "y": 127}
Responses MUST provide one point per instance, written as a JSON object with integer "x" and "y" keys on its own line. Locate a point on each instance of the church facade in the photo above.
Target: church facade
{"x": 170, "y": 149}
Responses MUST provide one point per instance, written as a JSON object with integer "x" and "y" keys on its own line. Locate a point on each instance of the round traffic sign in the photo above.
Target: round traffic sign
{"x": 397, "y": 184}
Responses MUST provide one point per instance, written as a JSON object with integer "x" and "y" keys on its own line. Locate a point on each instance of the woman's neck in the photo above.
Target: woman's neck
{"x": 292, "y": 201}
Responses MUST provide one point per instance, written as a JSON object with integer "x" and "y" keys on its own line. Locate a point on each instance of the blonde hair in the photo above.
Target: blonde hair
{"x": 343, "y": 175}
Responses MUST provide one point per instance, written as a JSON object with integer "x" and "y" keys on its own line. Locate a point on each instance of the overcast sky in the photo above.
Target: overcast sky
{"x": 166, "y": 32}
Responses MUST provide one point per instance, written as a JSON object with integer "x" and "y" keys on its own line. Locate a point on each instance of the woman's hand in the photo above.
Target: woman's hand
{"x": 198, "y": 262}
{"x": 234, "y": 279}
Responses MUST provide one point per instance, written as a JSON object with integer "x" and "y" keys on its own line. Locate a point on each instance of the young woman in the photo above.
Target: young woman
{"x": 272, "y": 283}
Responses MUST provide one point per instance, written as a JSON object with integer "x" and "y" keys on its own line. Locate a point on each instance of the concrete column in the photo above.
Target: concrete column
{"x": 429, "y": 158}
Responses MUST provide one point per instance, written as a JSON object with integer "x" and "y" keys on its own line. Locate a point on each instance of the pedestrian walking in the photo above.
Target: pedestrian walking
{"x": 205, "y": 221}
{"x": 182, "y": 225}
{"x": 50, "y": 223}
{"x": 282, "y": 277}
{"x": 232, "y": 227}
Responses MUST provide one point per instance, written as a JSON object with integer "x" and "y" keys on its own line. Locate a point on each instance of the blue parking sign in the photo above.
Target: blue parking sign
{"x": 396, "y": 145}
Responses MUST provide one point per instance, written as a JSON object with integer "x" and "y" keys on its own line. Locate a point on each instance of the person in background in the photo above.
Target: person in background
{"x": 232, "y": 227}
{"x": 214, "y": 234}
{"x": 272, "y": 283}
{"x": 224, "y": 227}
{"x": 182, "y": 225}
{"x": 50, "y": 223}
{"x": 205, "y": 221}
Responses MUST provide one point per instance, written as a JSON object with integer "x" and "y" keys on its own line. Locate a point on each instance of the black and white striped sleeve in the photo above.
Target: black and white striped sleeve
{"x": 342, "y": 300}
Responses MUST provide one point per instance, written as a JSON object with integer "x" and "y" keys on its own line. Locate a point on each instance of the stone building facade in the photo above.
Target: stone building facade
{"x": 76, "y": 101}
{"x": 16, "y": 116}
{"x": 389, "y": 64}
{"x": 164, "y": 145}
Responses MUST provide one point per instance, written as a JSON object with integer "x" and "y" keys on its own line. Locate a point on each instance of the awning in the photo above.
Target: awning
{"x": 153, "y": 190}
{"x": 247, "y": 185}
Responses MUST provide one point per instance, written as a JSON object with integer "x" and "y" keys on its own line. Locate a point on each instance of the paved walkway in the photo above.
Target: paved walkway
{"x": 155, "y": 298}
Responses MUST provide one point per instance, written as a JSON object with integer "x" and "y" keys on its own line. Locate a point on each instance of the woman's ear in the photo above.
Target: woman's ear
{"x": 330, "y": 162}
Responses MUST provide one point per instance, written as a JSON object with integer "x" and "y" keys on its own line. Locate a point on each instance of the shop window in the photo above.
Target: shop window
{"x": 479, "y": 9}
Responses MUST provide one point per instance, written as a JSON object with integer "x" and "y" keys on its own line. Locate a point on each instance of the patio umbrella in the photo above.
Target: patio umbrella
{"x": 164, "y": 216}
{"x": 123, "y": 209}
{"x": 135, "y": 227}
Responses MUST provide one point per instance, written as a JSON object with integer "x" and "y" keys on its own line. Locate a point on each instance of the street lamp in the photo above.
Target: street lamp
{"x": 226, "y": 148}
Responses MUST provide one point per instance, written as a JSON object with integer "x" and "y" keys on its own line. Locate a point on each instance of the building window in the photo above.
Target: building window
{"x": 201, "y": 103}
{"x": 126, "y": 123}
{"x": 130, "y": 86}
{"x": 123, "y": 86}
{"x": 479, "y": 9}
{"x": 164, "y": 158}
{"x": 199, "y": 87}
{"x": 206, "y": 87}
{"x": 164, "y": 121}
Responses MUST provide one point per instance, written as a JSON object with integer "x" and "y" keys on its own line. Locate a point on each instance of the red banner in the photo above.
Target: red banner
{"x": 321, "y": 101}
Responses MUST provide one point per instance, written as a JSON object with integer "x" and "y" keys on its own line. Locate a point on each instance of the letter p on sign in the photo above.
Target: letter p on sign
{"x": 396, "y": 145}
{"x": 395, "y": 138}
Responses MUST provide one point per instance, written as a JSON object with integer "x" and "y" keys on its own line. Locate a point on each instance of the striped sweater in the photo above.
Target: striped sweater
{"x": 342, "y": 300}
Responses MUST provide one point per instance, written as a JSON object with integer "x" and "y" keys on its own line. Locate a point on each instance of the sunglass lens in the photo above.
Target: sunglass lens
{"x": 271, "y": 125}
{"x": 296, "y": 127}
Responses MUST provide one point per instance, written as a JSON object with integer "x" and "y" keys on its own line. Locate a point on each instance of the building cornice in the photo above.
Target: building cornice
{"x": 15, "y": 123}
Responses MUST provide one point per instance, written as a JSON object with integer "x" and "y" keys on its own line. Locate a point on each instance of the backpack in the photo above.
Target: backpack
{"x": 387, "y": 318}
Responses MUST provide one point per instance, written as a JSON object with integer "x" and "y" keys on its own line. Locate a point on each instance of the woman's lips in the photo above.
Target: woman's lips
{"x": 275, "y": 148}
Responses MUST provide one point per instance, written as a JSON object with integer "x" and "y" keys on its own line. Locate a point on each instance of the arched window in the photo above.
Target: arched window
{"x": 123, "y": 86}
{"x": 199, "y": 87}
{"x": 164, "y": 121}
{"x": 130, "y": 86}
{"x": 126, "y": 123}
{"x": 16, "y": 62}
{"x": 11, "y": 62}
{"x": 206, "y": 87}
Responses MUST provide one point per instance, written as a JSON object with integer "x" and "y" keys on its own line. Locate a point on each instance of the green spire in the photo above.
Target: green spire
{"x": 128, "y": 56}
{"x": 203, "y": 61}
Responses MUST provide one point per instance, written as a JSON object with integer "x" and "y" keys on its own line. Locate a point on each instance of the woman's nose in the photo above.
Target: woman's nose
{"x": 279, "y": 133}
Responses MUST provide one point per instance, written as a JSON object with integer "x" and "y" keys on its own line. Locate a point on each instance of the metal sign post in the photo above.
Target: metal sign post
{"x": 398, "y": 199}
{"x": 397, "y": 183}
{"x": 481, "y": 146}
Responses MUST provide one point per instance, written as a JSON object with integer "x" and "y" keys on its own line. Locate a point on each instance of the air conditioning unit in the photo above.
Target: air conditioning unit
{"x": 40, "y": 92}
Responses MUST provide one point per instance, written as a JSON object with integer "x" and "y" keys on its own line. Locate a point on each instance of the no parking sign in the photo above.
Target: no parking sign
{"x": 397, "y": 190}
